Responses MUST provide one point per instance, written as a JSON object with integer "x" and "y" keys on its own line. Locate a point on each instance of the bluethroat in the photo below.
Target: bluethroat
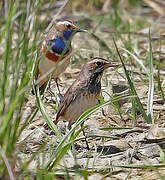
{"x": 56, "y": 49}
{"x": 84, "y": 92}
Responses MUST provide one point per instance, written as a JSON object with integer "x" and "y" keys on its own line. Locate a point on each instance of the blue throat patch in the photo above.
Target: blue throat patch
{"x": 58, "y": 45}
{"x": 67, "y": 34}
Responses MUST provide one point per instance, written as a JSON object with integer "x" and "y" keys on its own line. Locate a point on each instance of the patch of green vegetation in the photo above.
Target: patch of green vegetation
{"x": 20, "y": 37}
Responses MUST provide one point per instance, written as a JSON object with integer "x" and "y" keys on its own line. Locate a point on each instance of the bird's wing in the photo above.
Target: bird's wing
{"x": 69, "y": 97}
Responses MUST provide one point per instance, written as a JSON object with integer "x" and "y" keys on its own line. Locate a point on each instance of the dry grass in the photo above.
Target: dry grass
{"x": 122, "y": 142}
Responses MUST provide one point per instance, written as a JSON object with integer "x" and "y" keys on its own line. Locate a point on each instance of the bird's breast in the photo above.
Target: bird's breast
{"x": 83, "y": 102}
{"x": 52, "y": 56}
{"x": 46, "y": 65}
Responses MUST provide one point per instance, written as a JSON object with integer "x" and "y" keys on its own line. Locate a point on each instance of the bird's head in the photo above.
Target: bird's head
{"x": 68, "y": 28}
{"x": 98, "y": 65}
{"x": 93, "y": 71}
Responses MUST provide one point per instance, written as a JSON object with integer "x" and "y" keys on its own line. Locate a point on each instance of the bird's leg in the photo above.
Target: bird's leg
{"x": 49, "y": 89}
{"x": 85, "y": 137}
{"x": 59, "y": 93}
{"x": 69, "y": 127}
{"x": 51, "y": 93}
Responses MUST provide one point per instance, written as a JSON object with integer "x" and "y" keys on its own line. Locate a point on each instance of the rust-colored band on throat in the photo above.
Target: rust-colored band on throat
{"x": 52, "y": 56}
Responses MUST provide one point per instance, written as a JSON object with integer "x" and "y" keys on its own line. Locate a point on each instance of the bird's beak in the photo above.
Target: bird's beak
{"x": 111, "y": 64}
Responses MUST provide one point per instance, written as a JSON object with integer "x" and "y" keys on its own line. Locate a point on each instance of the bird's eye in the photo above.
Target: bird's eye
{"x": 68, "y": 26}
{"x": 98, "y": 63}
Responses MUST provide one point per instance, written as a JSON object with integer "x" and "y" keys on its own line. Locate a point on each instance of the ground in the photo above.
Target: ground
{"x": 122, "y": 144}
{"x": 135, "y": 144}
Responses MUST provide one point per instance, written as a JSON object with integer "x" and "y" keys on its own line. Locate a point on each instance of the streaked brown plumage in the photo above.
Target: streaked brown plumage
{"x": 84, "y": 92}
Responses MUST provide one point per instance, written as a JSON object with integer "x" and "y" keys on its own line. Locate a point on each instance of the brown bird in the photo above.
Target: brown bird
{"x": 84, "y": 92}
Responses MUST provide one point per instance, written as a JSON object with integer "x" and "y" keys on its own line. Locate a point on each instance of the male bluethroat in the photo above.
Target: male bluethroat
{"x": 56, "y": 48}
{"x": 84, "y": 92}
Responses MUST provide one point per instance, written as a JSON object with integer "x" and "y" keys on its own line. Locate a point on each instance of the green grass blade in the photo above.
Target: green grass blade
{"x": 80, "y": 120}
{"x": 159, "y": 78}
{"x": 139, "y": 61}
{"x": 132, "y": 88}
{"x": 46, "y": 116}
{"x": 151, "y": 84}
{"x": 112, "y": 128}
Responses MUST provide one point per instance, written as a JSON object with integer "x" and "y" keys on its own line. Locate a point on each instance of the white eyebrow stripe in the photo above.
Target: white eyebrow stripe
{"x": 64, "y": 22}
